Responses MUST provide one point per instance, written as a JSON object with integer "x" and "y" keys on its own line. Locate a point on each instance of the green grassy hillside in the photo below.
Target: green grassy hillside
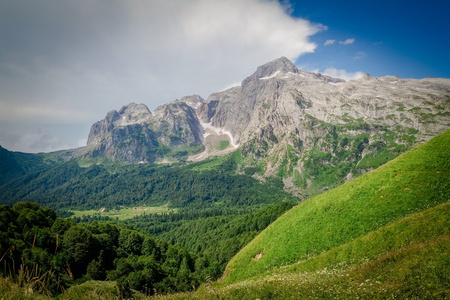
{"x": 407, "y": 259}
{"x": 414, "y": 181}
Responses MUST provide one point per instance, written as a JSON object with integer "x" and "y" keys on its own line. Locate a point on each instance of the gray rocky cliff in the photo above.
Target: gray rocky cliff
{"x": 134, "y": 134}
{"x": 278, "y": 97}
{"x": 180, "y": 123}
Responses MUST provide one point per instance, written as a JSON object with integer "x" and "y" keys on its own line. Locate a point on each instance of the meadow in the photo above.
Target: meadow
{"x": 122, "y": 213}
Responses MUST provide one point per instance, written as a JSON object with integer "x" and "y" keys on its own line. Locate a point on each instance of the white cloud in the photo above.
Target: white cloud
{"x": 38, "y": 113}
{"x": 329, "y": 42}
{"x": 87, "y": 56}
{"x": 347, "y": 42}
{"x": 343, "y": 74}
{"x": 39, "y": 140}
{"x": 231, "y": 85}
{"x": 360, "y": 55}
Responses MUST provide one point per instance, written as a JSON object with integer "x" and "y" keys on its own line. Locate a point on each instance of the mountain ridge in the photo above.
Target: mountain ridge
{"x": 312, "y": 130}
{"x": 239, "y": 111}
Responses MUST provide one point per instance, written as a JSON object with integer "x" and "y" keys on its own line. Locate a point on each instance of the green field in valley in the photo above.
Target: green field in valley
{"x": 122, "y": 213}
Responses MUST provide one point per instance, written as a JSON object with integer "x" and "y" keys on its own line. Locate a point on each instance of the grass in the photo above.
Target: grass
{"x": 93, "y": 290}
{"x": 373, "y": 160}
{"x": 223, "y": 145}
{"x": 410, "y": 183}
{"x": 420, "y": 228}
{"x": 123, "y": 213}
{"x": 418, "y": 271}
{"x": 98, "y": 290}
{"x": 30, "y": 289}
{"x": 407, "y": 259}
{"x": 27, "y": 284}
{"x": 210, "y": 164}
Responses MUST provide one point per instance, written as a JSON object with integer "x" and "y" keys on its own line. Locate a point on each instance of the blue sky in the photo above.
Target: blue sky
{"x": 409, "y": 39}
{"x": 65, "y": 64}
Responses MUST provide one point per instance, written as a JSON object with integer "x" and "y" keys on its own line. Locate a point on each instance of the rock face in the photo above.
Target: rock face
{"x": 287, "y": 122}
{"x": 278, "y": 96}
{"x": 134, "y": 134}
{"x": 128, "y": 115}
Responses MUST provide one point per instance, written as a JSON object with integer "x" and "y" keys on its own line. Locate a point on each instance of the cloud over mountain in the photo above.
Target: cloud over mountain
{"x": 73, "y": 55}
{"x": 342, "y": 74}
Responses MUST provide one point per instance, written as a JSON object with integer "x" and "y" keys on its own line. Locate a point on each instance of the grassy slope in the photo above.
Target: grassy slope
{"x": 414, "y": 181}
{"x": 407, "y": 259}
{"x": 123, "y": 213}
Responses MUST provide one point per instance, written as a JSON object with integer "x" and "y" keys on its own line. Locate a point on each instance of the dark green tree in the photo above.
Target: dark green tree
{"x": 77, "y": 243}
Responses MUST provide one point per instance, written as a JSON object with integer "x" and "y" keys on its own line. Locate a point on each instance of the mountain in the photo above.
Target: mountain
{"x": 134, "y": 134}
{"x": 16, "y": 164}
{"x": 414, "y": 181}
{"x": 312, "y": 130}
{"x": 383, "y": 234}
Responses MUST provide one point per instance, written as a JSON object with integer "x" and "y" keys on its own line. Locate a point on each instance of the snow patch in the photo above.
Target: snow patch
{"x": 194, "y": 105}
{"x": 271, "y": 76}
{"x": 209, "y": 129}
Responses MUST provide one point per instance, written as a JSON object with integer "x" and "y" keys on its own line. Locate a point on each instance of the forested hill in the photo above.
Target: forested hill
{"x": 17, "y": 164}
{"x": 94, "y": 184}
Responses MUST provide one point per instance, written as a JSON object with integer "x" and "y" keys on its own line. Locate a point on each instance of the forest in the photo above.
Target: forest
{"x": 60, "y": 252}
{"x": 217, "y": 210}
{"x": 217, "y": 237}
{"x": 69, "y": 185}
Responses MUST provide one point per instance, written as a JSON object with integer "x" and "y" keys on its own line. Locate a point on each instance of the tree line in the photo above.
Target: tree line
{"x": 69, "y": 185}
{"x": 217, "y": 237}
{"x": 67, "y": 253}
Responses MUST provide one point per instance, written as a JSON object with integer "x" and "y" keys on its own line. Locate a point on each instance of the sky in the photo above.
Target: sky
{"x": 65, "y": 64}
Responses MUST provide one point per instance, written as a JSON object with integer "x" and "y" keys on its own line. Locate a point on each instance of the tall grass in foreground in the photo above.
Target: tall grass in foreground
{"x": 28, "y": 283}
{"x": 28, "y": 287}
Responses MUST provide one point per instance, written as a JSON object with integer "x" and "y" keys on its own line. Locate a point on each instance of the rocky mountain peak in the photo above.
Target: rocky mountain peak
{"x": 273, "y": 68}
{"x": 194, "y": 100}
{"x": 129, "y": 114}
{"x": 133, "y": 113}
{"x": 134, "y": 109}
{"x": 367, "y": 77}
